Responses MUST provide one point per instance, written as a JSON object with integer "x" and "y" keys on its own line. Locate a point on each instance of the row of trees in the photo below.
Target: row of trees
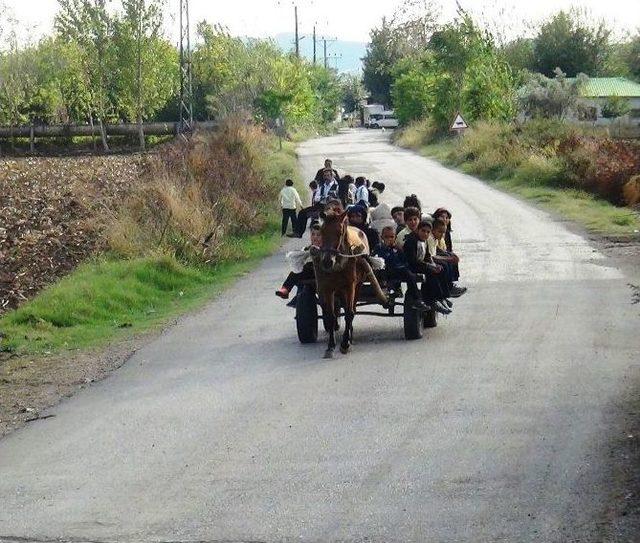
{"x": 107, "y": 64}
{"x": 428, "y": 69}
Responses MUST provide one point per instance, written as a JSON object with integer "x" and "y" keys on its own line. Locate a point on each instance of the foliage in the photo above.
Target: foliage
{"x": 571, "y": 42}
{"x": 382, "y": 53}
{"x": 550, "y": 98}
{"x": 197, "y": 194}
{"x": 615, "y": 106}
{"x": 353, "y": 92}
{"x": 601, "y": 165}
{"x": 519, "y": 54}
{"x": 461, "y": 70}
{"x": 549, "y": 162}
{"x": 413, "y": 95}
{"x": 108, "y": 62}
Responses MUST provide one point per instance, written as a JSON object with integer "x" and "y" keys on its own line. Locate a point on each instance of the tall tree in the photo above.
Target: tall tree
{"x": 571, "y": 42}
{"x": 137, "y": 34}
{"x": 90, "y": 25}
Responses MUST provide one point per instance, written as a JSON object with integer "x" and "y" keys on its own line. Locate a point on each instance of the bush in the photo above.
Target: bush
{"x": 416, "y": 134}
{"x": 538, "y": 169}
{"x": 196, "y": 194}
{"x": 631, "y": 191}
{"x": 491, "y": 147}
{"x": 601, "y": 165}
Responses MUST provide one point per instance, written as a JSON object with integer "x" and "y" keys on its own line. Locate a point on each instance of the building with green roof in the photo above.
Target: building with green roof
{"x": 596, "y": 92}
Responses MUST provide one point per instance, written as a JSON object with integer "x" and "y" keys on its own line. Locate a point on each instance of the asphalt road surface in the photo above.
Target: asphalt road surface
{"x": 490, "y": 428}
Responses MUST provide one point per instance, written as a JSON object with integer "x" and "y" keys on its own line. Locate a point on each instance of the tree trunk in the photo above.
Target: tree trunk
{"x": 93, "y": 134}
{"x": 103, "y": 135}
{"x": 139, "y": 78}
{"x": 141, "y": 133}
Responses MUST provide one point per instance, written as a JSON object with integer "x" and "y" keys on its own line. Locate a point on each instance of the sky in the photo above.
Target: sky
{"x": 343, "y": 19}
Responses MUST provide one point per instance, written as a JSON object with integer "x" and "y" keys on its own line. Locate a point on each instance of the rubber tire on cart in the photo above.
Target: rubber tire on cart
{"x": 430, "y": 318}
{"x": 413, "y": 324}
{"x": 307, "y": 315}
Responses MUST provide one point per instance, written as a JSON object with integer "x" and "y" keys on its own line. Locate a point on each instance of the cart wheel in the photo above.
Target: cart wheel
{"x": 413, "y": 325}
{"x": 307, "y": 315}
{"x": 430, "y": 318}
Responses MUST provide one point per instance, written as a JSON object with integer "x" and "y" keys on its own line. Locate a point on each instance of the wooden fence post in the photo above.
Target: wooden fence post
{"x": 32, "y": 139}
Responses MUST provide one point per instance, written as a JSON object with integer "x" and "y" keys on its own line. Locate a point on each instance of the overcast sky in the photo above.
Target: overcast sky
{"x": 345, "y": 19}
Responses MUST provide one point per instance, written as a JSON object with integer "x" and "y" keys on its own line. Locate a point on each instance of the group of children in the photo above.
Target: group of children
{"x": 410, "y": 242}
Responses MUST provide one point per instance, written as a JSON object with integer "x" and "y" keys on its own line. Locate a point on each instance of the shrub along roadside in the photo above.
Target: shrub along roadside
{"x": 536, "y": 161}
{"x": 201, "y": 216}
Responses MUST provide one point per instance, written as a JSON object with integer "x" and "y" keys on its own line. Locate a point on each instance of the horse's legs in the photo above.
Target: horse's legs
{"x": 349, "y": 313}
{"x": 329, "y": 308}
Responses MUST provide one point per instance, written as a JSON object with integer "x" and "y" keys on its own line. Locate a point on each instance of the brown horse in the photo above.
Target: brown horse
{"x": 341, "y": 266}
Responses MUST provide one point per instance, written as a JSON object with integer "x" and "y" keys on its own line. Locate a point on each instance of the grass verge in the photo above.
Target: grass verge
{"x": 596, "y": 215}
{"x": 115, "y": 296}
{"x": 110, "y": 299}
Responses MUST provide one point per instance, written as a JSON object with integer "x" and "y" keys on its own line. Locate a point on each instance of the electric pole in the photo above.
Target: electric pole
{"x": 185, "y": 115}
{"x": 314, "y": 45}
{"x": 326, "y": 58}
{"x": 325, "y": 52}
{"x": 295, "y": 11}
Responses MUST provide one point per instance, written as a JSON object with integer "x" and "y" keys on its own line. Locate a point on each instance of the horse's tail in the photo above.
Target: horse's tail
{"x": 368, "y": 270}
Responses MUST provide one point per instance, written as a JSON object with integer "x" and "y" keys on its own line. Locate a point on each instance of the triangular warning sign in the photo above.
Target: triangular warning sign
{"x": 459, "y": 123}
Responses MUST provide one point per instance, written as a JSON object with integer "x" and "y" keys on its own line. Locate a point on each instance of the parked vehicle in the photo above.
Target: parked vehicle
{"x": 387, "y": 119}
{"x": 369, "y": 111}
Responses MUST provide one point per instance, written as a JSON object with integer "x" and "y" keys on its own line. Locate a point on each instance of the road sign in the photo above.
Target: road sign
{"x": 459, "y": 123}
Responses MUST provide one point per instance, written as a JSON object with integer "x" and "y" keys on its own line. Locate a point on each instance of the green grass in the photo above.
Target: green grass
{"x": 596, "y": 215}
{"x": 109, "y": 299}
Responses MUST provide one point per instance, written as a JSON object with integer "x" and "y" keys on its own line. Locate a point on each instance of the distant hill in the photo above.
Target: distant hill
{"x": 349, "y": 53}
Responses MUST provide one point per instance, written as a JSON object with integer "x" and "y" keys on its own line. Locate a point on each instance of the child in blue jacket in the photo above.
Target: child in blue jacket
{"x": 396, "y": 266}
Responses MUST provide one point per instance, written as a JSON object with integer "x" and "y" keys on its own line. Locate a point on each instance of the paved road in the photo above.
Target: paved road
{"x": 226, "y": 429}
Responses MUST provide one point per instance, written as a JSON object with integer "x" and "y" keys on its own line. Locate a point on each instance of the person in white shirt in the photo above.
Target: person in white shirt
{"x": 290, "y": 202}
{"x": 362, "y": 193}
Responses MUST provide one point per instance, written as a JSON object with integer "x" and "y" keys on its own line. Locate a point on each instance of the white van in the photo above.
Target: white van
{"x": 386, "y": 119}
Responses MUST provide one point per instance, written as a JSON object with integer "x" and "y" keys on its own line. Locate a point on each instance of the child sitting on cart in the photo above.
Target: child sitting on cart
{"x": 306, "y": 272}
{"x": 397, "y": 267}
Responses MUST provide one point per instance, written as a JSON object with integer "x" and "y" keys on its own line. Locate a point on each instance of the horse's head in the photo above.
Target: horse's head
{"x": 333, "y": 231}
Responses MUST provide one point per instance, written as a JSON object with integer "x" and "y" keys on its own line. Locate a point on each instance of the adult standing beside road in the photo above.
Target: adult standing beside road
{"x": 290, "y": 202}
{"x": 328, "y": 165}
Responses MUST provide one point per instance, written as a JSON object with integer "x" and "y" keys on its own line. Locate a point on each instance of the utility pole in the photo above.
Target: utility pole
{"x": 314, "y": 45}
{"x": 185, "y": 115}
{"x": 295, "y": 11}
{"x": 325, "y": 52}
{"x": 326, "y": 58}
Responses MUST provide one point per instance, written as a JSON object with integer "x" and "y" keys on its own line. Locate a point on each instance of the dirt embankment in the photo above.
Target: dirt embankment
{"x": 52, "y": 211}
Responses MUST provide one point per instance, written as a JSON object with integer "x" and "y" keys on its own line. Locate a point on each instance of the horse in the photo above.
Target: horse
{"x": 341, "y": 265}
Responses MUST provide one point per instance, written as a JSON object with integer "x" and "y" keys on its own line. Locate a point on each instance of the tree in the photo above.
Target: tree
{"x": 353, "y": 92}
{"x": 569, "y": 42}
{"x": 550, "y": 97}
{"x": 413, "y": 95}
{"x": 138, "y": 44}
{"x": 632, "y": 56}
{"x": 382, "y": 53}
{"x": 89, "y": 24}
{"x": 519, "y": 54}
{"x": 615, "y": 106}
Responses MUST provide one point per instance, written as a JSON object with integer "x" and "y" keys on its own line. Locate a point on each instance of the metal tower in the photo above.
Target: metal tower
{"x": 185, "y": 115}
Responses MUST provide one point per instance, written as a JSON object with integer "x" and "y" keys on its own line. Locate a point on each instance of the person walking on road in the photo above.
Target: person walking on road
{"x": 290, "y": 202}
{"x": 328, "y": 165}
